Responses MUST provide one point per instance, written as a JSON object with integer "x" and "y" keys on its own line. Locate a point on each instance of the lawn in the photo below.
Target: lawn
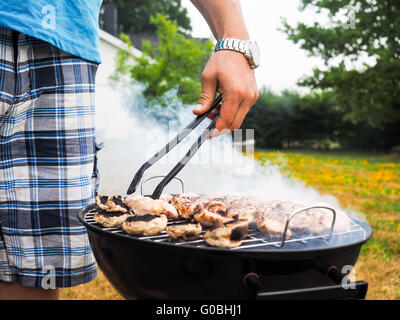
{"x": 366, "y": 183}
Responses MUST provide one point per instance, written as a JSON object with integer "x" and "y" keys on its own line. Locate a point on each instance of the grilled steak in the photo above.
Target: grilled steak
{"x": 227, "y": 235}
{"x": 184, "y": 232}
{"x": 110, "y": 219}
{"x": 145, "y": 225}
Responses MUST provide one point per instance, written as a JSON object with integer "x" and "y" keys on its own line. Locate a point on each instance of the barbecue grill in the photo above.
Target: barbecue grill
{"x": 157, "y": 267}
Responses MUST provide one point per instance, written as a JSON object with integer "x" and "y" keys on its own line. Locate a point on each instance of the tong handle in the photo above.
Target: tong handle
{"x": 179, "y": 137}
{"x": 179, "y": 166}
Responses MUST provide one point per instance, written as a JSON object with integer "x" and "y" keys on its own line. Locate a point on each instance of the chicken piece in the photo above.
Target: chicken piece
{"x": 117, "y": 204}
{"x": 146, "y": 205}
{"x": 227, "y": 235}
{"x": 248, "y": 212}
{"x": 213, "y": 211}
{"x": 129, "y": 199}
{"x": 166, "y": 197}
{"x": 342, "y": 223}
{"x": 320, "y": 220}
{"x": 273, "y": 226}
{"x": 315, "y": 220}
{"x": 101, "y": 202}
{"x": 109, "y": 219}
{"x": 184, "y": 232}
{"x": 185, "y": 205}
{"x": 145, "y": 225}
{"x": 249, "y": 201}
{"x": 207, "y": 218}
{"x": 217, "y": 205}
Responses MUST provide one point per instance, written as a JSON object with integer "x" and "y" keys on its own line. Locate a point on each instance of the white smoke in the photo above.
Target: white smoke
{"x": 132, "y": 134}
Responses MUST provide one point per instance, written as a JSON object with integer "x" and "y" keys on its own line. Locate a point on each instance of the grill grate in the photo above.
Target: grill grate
{"x": 255, "y": 239}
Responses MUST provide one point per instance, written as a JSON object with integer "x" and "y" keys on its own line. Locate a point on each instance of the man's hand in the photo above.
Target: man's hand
{"x": 229, "y": 73}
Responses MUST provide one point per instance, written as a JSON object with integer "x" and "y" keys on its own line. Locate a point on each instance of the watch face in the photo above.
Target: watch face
{"x": 255, "y": 54}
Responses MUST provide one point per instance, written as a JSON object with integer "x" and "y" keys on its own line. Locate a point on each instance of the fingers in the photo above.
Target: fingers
{"x": 233, "y": 112}
{"x": 228, "y": 111}
{"x": 229, "y": 74}
{"x": 208, "y": 92}
{"x": 213, "y": 114}
{"x": 244, "y": 108}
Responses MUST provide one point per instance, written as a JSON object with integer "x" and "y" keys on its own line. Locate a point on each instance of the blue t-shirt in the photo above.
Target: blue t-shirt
{"x": 70, "y": 25}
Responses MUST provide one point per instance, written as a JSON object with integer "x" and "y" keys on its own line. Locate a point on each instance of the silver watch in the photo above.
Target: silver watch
{"x": 249, "y": 48}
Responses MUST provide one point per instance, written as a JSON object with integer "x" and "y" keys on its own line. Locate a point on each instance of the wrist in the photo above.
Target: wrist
{"x": 248, "y": 48}
{"x": 235, "y": 35}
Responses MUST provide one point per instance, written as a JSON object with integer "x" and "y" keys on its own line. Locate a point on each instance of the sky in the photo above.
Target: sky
{"x": 282, "y": 62}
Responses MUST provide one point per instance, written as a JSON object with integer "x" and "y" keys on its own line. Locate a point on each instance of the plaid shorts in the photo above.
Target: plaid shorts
{"x": 48, "y": 169}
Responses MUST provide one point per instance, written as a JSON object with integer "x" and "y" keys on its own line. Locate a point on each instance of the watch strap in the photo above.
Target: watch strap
{"x": 233, "y": 44}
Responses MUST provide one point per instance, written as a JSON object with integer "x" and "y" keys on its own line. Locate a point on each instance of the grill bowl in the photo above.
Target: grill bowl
{"x": 142, "y": 268}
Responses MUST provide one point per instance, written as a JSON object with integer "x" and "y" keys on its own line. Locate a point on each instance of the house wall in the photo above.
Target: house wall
{"x": 109, "y": 46}
{"x": 109, "y": 97}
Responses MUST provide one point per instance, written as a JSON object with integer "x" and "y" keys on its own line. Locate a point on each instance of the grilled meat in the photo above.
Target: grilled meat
{"x": 185, "y": 205}
{"x": 184, "y": 232}
{"x": 116, "y": 203}
{"x": 221, "y": 209}
{"x": 213, "y": 211}
{"x": 101, "y": 202}
{"x": 227, "y": 235}
{"x": 146, "y": 205}
{"x": 316, "y": 221}
{"x": 273, "y": 226}
{"x": 110, "y": 219}
{"x": 166, "y": 197}
{"x": 342, "y": 223}
{"x": 272, "y": 220}
{"x": 145, "y": 225}
{"x": 249, "y": 212}
{"x": 207, "y": 218}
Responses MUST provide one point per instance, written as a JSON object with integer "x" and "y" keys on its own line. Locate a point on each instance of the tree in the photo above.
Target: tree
{"x": 134, "y": 15}
{"x": 369, "y": 94}
{"x": 291, "y": 120}
{"x": 175, "y": 62}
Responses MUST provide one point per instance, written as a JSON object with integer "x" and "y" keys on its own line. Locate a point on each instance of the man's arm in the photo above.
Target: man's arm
{"x": 227, "y": 72}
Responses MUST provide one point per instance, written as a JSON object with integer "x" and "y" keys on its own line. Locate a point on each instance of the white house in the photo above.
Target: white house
{"x": 109, "y": 104}
{"x": 109, "y": 46}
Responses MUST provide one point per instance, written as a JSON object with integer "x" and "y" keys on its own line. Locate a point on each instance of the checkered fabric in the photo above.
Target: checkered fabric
{"x": 47, "y": 162}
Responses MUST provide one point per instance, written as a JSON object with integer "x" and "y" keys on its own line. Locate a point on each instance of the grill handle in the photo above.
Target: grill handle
{"x": 306, "y": 209}
{"x": 155, "y": 177}
{"x": 178, "y": 138}
{"x": 328, "y": 292}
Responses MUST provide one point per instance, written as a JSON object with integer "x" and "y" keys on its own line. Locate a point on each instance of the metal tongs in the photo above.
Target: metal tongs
{"x": 179, "y": 166}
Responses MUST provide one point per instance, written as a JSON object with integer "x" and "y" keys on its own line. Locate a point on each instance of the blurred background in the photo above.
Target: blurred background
{"x": 326, "y": 124}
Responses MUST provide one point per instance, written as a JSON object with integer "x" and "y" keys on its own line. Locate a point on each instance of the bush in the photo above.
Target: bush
{"x": 313, "y": 121}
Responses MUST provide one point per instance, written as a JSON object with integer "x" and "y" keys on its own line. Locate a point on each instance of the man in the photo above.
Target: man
{"x": 48, "y": 61}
